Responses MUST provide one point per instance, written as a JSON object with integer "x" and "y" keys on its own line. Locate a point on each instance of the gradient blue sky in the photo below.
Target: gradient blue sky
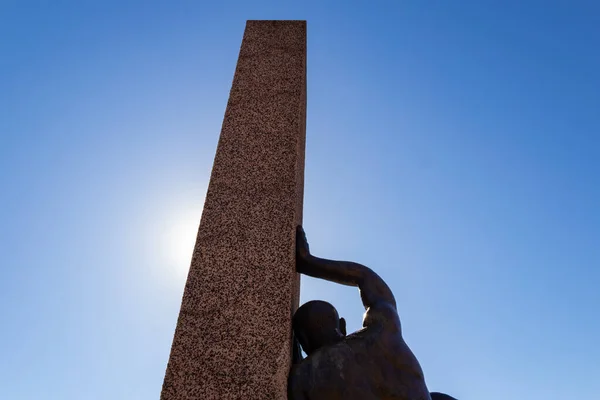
{"x": 453, "y": 146}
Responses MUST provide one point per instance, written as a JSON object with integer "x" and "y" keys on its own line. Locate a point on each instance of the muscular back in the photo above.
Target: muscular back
{"x": 373, "y": 363}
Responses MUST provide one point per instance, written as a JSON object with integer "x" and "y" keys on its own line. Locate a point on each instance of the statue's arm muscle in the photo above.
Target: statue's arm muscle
{"x": 373, "y": 289}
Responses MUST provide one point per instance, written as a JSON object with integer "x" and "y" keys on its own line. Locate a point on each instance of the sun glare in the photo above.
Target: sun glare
{"x": 180, "y": 237}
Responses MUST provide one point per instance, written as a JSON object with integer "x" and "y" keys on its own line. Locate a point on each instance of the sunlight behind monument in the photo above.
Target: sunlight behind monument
{"x": 179, "y": 239}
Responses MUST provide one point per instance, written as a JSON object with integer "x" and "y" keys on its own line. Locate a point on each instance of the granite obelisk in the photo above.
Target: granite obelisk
{"x": 233, "y": 334}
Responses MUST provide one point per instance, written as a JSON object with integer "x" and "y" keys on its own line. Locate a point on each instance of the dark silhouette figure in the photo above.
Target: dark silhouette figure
{"x": 372, "y": 364}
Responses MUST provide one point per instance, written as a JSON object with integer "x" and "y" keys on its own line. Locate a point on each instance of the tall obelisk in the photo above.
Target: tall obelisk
{"x": 233, "y": 335}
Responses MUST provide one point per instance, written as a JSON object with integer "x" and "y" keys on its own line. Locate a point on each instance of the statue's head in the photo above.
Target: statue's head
{"x": 317, "y": 324}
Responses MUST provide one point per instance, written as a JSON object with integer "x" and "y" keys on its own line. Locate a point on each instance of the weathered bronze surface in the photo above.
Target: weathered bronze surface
{"x": 373, "y": 363}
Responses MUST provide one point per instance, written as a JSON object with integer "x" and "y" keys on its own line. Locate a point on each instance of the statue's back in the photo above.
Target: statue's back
{"x": 370, "y": 364}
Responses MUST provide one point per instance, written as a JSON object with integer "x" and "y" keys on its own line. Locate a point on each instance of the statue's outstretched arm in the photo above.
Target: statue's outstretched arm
{"x": 373, "y": 289}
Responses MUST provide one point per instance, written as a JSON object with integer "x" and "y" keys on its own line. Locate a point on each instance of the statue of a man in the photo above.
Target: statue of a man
{"x": 373, "y": 363}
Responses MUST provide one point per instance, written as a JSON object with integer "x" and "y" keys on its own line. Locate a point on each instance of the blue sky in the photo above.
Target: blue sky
{"x": 454, "y": 147}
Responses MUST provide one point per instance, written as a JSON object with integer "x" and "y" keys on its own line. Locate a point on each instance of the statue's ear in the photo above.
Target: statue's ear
{"x": 343, "y": 326}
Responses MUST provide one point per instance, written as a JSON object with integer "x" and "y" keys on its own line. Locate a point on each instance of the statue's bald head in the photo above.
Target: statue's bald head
{"x": 317, "y": 324}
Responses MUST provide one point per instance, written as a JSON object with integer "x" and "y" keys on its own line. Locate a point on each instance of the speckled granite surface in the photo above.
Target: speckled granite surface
{"x": 232, "y": 339}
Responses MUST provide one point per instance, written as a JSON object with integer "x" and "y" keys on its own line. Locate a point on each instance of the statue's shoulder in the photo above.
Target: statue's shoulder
{"x": 335, "y": 354}
{"x": 384, "y": 315}
{"x": 298, "y": 380}
{"x": 327, "y": 368}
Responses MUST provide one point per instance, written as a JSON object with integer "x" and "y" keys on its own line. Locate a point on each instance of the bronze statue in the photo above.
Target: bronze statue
{"x": 373, "y": 363}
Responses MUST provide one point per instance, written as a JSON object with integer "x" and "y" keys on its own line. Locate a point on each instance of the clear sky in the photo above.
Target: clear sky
{"x": 452, "y": 146}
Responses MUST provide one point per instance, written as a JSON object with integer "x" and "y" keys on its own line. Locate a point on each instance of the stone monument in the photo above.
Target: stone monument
{"x": 233, "y": 334}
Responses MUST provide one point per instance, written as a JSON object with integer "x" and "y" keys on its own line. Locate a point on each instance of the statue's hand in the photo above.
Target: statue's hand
{"x": 302, "y": 250}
